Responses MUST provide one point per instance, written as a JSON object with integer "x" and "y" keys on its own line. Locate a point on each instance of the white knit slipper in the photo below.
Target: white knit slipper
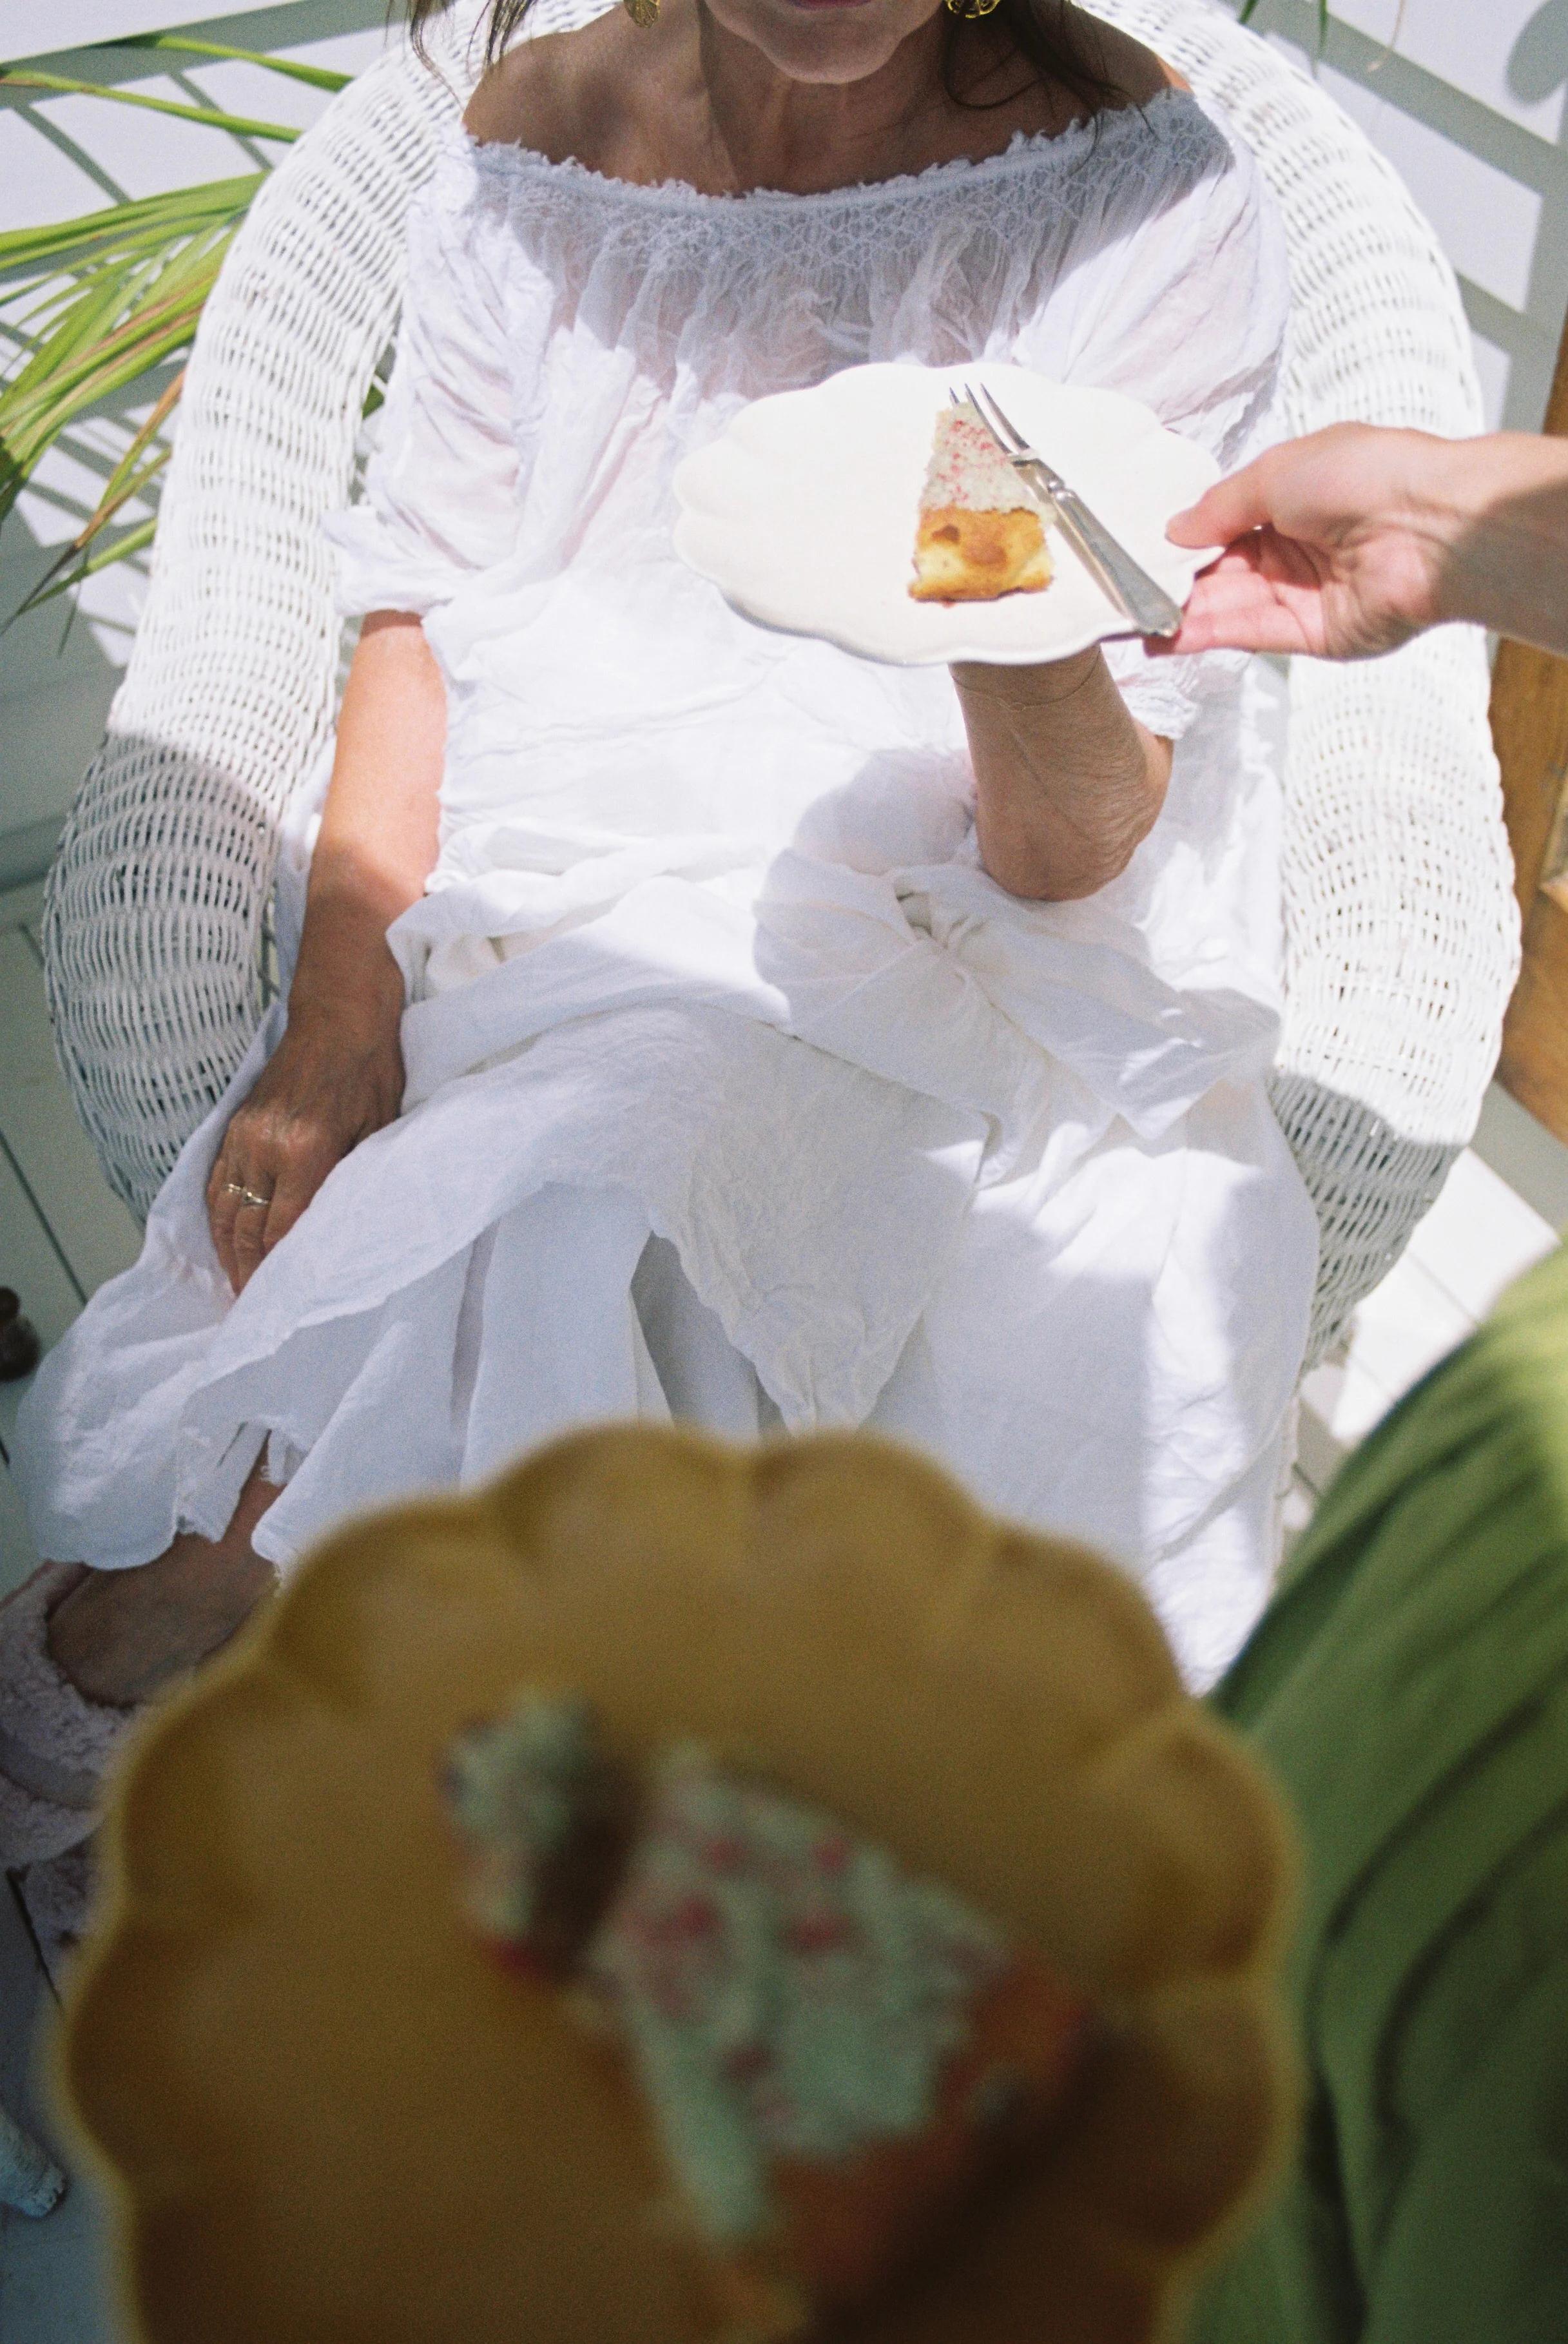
{"x": 30, "y": 2180}
{"x": 57, "y": 1898}
{"x": 55, "y": 1744}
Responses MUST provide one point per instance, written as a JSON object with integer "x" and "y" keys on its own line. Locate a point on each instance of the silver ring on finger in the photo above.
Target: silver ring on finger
{"x": 246, "y": 1196}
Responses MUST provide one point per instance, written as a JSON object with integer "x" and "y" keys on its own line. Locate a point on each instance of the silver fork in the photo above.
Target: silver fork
{"x": 1129, "y": 586}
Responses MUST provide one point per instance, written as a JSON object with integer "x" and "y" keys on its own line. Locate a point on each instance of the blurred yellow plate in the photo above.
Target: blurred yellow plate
{"x": 329, "y": 2120}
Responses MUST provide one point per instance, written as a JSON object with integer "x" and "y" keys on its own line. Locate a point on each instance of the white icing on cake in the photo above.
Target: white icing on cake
{"x": 967, "y": 469}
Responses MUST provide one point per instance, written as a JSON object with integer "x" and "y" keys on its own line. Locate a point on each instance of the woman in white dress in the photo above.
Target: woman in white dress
{"x": 697, "y": 1021}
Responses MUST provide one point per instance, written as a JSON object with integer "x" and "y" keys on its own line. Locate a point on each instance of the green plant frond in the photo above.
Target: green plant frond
{"x": 315, "y": 76}
{"x": 133, "y": 540}
{"x": 238, "y": 125}
{"x": 146, "y": 224}
{"x": 97, "y": 522}
{"x": 76, "y": 307}
{"x": 46, "y": 395}
{"x": 1249, "y": 9}
{"x": 140, "y": 264}
{"x": 71, "y": 569}
{"x": 95, "y": 304}
{"x": 117, "y": 293}
{"x": 110, "y": 309}
{"x": 128, "y": 308}
{"x": 125, "y": 484}
{"x": 94, "y": 280}
{"x": 107, "y": 505}
{"x": 28, "y": 424}
{"x": 117, "y": 327}
{"x": 49, "y": 405}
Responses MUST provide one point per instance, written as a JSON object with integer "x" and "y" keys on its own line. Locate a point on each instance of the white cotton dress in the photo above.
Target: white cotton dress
{"x": 736, "y": 1090}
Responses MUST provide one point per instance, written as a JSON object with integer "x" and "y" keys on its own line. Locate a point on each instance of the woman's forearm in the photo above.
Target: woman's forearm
{"x": 336, "y": 1075}
{"x": 379, "y": 827}
{"x": 1501, "y": 507}
{"x": 1066, "y": 784}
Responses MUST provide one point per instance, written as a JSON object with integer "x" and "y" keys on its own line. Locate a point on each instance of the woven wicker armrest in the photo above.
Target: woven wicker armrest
{"x": 158, "y": 899}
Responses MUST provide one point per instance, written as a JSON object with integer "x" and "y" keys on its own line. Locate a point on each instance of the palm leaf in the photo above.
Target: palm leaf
{"x": 131, "y": 475}
{"x": 146, "y": 224}
{"x": 1249, "y": 9}
{"x": 96, "y": 304}
{"x": 112, "y": 297}
{"x": 316, "y": 77}
{"x": 238, "y": 125}
{"x": 73, "y": 568}
{"x": 77, "y": 561}
{"x": 119, "y": 315}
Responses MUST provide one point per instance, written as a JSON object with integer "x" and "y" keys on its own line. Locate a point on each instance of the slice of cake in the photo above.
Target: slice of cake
{"x": 981, "y": 534}
{"x": 834, "y": 2055}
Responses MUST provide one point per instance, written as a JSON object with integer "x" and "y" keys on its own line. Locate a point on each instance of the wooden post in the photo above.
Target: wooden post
{"x": 1530, "y": 729}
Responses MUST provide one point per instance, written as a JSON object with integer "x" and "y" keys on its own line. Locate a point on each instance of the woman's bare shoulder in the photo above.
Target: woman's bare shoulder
{"x": 550, "y": 93}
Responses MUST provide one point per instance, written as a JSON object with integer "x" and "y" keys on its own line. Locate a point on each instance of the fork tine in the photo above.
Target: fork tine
{"x": 1000, "y": 423}
{"x": 982, "y": 403}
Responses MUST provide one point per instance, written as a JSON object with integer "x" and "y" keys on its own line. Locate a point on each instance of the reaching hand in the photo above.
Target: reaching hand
{"x": 1334, "y": 548}
{"x": 323, "y": 1090}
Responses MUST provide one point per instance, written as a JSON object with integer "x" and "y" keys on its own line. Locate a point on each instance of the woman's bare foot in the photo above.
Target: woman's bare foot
{"x": 123, "y": 1635}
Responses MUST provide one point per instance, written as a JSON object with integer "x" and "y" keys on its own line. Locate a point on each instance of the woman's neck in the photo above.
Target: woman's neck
{"x": 691, "y": 99}
{"x": 767, "y": 128}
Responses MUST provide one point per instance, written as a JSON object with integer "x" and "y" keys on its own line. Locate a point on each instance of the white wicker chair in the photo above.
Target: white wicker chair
{"x": 1402, "y": 935}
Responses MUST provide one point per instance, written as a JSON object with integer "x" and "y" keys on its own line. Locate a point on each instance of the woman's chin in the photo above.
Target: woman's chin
{"x": 823, "y": 41}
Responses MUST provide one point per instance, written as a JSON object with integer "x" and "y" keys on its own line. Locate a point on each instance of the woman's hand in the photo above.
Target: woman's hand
{"x": 1337, "y": 548}
{"x": 1346, "y": 543}
{"x": 338, "y": 1074}
{"x": 324, "y": 1089}
{"x": 1066, "y": 784}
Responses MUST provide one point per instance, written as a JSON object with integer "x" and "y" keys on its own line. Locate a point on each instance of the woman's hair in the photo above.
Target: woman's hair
{"x": 1050, "y": 37}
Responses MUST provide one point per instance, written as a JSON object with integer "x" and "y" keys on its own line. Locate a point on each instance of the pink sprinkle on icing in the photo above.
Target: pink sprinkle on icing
{"x": 968, "y": 469}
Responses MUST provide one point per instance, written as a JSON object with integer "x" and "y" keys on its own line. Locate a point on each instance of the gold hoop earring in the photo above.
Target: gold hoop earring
{"x": 968, "y": 12}
{"x": 644, "y": 13}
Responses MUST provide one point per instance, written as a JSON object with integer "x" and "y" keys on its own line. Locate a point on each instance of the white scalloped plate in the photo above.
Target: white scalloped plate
{"x": 803, "y": 512}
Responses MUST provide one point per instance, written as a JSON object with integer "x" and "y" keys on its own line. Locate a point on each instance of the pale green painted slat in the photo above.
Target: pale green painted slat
{"x": 23, "y": 908}
{"x": 29, "y": 1262}
{"x": 23, "y": 25}
{"x": 92, "y": 1228}
{"x": 17, "y": 1558}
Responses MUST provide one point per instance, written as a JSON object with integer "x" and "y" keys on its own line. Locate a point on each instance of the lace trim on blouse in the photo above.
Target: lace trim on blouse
{"x": 1026, "y": 151}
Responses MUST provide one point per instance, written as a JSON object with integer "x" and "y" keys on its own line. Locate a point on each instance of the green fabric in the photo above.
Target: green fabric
{"x": 1408, "y": 1686}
